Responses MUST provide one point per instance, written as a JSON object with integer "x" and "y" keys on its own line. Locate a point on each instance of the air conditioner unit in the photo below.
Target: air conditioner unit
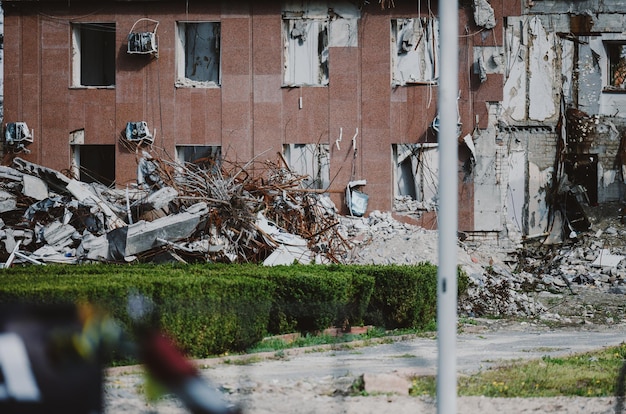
{"x": 17, "y": 136}
{"x": 143, "y": 42}
{"x": 138, "y": 132}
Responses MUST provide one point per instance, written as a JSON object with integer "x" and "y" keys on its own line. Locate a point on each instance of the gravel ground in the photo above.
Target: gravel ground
{"x": 317, "y": 380}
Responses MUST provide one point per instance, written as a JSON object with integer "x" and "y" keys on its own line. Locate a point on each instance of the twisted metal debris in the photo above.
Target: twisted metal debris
{"x": 205, "y": 211}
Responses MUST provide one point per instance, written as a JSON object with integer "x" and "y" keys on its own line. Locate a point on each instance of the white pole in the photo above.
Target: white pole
{"x": 447, "y": 216}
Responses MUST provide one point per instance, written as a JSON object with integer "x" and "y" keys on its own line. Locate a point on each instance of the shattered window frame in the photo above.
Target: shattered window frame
{"x": 204, "y": 157}
{"x": 310, "y": 160}
{"x": 93, "y": 54}
{"x": 194, "y": 69}
{"x": 416, "y": 171}
{"x": 616, "y": 65}
{"x": 414, "y": 53}
{"x": 304, "y": 49}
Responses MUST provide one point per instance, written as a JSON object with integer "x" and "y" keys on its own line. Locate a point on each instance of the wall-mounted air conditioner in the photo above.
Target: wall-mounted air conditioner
{"x": 17, "y": 136}
{"x": 143, "y": 42}
{"x": 138, "y": 132}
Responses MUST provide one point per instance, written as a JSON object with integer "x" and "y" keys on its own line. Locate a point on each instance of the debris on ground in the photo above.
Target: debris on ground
{"x": 262, "y": 212}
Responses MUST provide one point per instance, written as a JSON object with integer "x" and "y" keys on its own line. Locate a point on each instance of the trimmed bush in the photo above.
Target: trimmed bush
{"x": 205, "y": 313}
{"x": 215, "y": 308}
{"x": 405, "y": 296}
{"x": 306, "y": 299}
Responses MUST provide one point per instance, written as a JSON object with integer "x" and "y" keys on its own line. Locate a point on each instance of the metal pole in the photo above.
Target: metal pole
{"x": 447, "y": 224}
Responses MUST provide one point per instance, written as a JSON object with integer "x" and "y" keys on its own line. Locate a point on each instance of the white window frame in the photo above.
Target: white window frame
{"x": 214, "y": 76}
{"x": 414, "y": 51}
{"x": 305, "y": 60}
{"x": 77, "y": 55}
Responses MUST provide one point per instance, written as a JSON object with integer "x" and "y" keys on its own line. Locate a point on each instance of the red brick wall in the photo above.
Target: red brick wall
{"x": 250, "y": 113}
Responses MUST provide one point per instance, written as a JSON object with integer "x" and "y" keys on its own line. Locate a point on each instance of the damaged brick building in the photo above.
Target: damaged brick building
{"x": 343, "y": 91}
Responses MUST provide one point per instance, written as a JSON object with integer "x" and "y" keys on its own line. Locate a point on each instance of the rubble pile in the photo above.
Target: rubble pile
{"x": 261, "y": 212}
{"x": 503, "y": 281}
{"x": 185, "y": 212}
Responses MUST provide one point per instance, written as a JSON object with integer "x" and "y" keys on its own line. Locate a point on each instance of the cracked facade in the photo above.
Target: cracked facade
{"x": 541, "y": 106}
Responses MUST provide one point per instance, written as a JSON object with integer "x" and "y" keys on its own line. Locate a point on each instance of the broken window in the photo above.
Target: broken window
{"x": 416, "y": 169}
{"x": 198, "y": 54}
{"x": 93, "y": 51}
{"x": 204, "y": 156}
{"x": 616, "y": 53}
{"x": 94, "y": 163}
{"x": 306, "y": 50}
{"x": 310, "y": 160}
{"x": 414, "y": 51}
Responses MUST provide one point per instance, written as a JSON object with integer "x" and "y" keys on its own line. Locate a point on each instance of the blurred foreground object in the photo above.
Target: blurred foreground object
{"x": 52, "y": 359}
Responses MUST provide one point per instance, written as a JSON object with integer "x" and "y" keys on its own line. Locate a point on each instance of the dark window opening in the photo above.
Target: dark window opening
{"x": 96, "y": 42}
{"x": 96, "y": 163}
{"x": 616, "y": 53}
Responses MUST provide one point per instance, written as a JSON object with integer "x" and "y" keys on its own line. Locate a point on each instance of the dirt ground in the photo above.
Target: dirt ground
{"x": 587, "y": 311}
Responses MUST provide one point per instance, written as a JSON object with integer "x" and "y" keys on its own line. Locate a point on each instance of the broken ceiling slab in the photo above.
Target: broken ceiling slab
{"x": 9, "y": 173}
{"x": 143, "y": 236}
{"x": 82, "y": 192}
{"x": 53, "y": 178}
{"x": 274, "y": 235}
{"x": 161, "y": 198}
{"x": 49, "y": 254}
{"x": 285, "y": 255}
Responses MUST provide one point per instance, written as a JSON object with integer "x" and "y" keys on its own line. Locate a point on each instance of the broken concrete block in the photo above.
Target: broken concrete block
{"x": 93, "y": 247}
{"x": 385, "y": 384}
{"x": 9, "y": 241}
{"x": 34, "y": 187}
{"x": 161, "y": 197}
{"x": 143, "y": 236}
{"x": 484, "y": 15}
{"x": 8, "y": 202}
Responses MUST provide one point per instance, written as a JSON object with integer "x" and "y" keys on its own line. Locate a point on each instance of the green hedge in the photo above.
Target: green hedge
{"x": 207, "y": 313}
{"x": 405, "y": 296}
{"x": 215, "y": 308}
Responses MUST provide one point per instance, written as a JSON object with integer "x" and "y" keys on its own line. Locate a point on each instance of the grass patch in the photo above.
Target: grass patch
{"x": 591, "y": 374}
{"x": 312, "y": 340}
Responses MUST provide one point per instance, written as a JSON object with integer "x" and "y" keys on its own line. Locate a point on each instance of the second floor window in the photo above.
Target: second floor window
{"x": 93, "y": 52}
{"x": 616, "y": 53}
{"x": 414, "y": 51}
{"x": 198, "y": 54}
{"x": 306, "y": 51}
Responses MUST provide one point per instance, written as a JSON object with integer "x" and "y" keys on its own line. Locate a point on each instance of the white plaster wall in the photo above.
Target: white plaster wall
{"x": 538, "y": 181}
{"x": 488, "y": 208}
{"x": 542, "y": 104}
{"x": 514, "y": 99}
